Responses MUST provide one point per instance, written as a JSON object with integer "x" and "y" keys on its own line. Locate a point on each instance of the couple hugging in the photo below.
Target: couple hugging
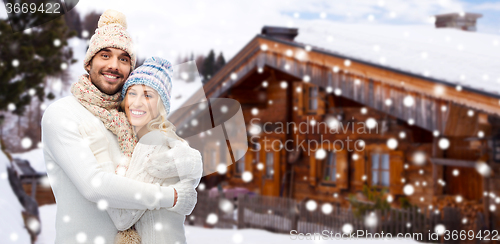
{"x": 118, "y": 170}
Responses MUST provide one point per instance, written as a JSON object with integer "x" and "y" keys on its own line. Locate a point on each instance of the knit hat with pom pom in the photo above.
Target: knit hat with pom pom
{"x": 156, "y": 73}
{"x": 110, "y": 32}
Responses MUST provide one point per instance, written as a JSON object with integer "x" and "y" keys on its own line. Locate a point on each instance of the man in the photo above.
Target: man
{"x": 83, "y": 190}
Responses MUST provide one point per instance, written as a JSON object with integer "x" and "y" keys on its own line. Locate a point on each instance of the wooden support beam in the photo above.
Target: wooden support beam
{"x": 453, "y": 162}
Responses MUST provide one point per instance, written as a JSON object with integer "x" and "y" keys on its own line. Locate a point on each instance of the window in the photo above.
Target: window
{"x": 269, "y": 165}
{"x": 330, "y": 167}
{"x": 380, "y": 169}
{"x": 313, "y": 98}
{"x": 240, "y": 164}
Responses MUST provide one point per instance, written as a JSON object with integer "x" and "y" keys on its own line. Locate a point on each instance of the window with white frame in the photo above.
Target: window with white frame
{"x": 380, "y": 169}
{"x": 330, "y": 167}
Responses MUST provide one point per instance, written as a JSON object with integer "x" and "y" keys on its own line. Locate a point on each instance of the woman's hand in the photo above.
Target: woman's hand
{"x": 96, "y": 140}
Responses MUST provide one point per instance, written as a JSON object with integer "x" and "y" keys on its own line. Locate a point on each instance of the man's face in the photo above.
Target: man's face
{"x": 109, "y": 69}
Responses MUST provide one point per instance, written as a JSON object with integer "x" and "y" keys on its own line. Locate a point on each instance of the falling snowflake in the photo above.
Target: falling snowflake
{"x": 247, "y": 176}
{"x": 483, "y": 169}
{"x": 81, "y": 237}
{"x": 326, "y": 208}
{"x": 289, "y": 53}
{"x": 237, "y": 238}
{"x": 221, "y": 169}
{"x": 337, "y": 91}
{"x": 255, "y": 111}
{"x": 347, "y": 62}
{"x": 371, "y": 123}
{"x": 388, "y": 102}
{"x": 311, "y": 205}
{"x": 223, "y": 109}
{"x": 15, "y": 62}
{"x": 470, "y": 112}
{"x": 371, "y": 220}
{"x": 85, "y": 33}
{"x": 320, "y": 154}
{"x": 33, "y": 224}
{"x": 263, "y": 47}
{"x": 158, "y": 226}
{"x": 347, "y": 228}
{"x": 66, "y": 218}
{"x": 336, "y": 69}
{"x": 226, "y": 206}
{"x": 408, "y": 101}
{"x": 14, "y": 237}
{"x": 439, "y": 229}
{"x": 443, "y": 143}
{"x": 392, "y": 143}
{"x": 284, "y": 84}
{"x": 99, "y": 240}
{"x": 313, "y": 122}
{"x": 254, "y": 129}
{"x": 212, "y": 219}
{"x": 456, "y": 172}
{"x": 390, "y": 198}
{"x": 234, "y": 76}
{"x": 355, "y": 156}
{"x": 408, "y": 189}
{"x": 102, "y": 204}
{"x": 57, "y": 42}
{"x": 458, "y": 198}
{"x": 260, "y": 166}
{"x": 194, "y": 122}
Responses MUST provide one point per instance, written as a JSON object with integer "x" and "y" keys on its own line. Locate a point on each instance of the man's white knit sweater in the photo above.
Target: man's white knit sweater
{"x": 81, "y": 187}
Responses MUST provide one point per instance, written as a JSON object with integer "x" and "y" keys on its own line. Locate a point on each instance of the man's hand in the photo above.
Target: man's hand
{"x": 175, "y": 196}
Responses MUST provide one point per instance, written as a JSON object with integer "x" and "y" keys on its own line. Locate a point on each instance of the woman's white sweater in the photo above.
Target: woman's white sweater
{"x": 163, "y": 160}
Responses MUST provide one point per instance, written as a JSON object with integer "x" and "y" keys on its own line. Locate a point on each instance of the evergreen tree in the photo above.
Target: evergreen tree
{"x": 219, "y": 62}
{"x": 209, "y": 66}
{"x": 28, "y": 57}
{"x": 200, "y": 59}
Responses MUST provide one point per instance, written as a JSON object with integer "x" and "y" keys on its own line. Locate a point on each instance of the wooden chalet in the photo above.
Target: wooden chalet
{"x": 35, "y": 184}
{"x": 432, "y": 142}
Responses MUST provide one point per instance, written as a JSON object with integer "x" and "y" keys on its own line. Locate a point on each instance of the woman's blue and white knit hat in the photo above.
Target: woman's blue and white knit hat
{"x": 156, "y": 73}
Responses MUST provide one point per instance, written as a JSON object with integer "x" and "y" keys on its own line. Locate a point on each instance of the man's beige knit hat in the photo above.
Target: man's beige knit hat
{"x": 110, "y": 32}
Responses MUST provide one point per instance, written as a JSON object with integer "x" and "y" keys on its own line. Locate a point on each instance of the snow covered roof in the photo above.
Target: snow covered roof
{"x": 468, "y": 59}
{"x": 35, "y": 158}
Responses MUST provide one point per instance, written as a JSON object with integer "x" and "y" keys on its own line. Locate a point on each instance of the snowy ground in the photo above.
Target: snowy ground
{"x": 209, "y": 236}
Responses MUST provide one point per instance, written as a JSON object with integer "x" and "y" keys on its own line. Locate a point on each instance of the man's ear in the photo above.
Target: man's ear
{"x": 87, "y": 68}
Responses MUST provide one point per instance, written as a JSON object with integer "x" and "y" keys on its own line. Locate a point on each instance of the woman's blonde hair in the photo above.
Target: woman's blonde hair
{"x": 161, "y": 122}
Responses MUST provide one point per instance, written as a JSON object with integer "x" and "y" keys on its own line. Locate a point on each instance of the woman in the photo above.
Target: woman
{"x": 160, "y": 156}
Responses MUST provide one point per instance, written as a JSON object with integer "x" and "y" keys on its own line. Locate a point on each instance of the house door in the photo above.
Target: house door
{"x": 270, "y": 157}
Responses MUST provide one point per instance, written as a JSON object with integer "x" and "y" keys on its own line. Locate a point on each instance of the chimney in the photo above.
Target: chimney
{"x": 462, "y": 21}
{"x": 280, "y": 32}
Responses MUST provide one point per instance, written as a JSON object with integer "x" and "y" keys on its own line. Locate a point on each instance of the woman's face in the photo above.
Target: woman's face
{"x": 141, "y": 105}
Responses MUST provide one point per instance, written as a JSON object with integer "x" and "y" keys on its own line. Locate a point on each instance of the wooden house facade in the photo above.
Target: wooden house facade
{"x": 323, "y": 126}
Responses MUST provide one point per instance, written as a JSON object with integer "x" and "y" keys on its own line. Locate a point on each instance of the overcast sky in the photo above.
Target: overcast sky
{"x": 173, "y": 28}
